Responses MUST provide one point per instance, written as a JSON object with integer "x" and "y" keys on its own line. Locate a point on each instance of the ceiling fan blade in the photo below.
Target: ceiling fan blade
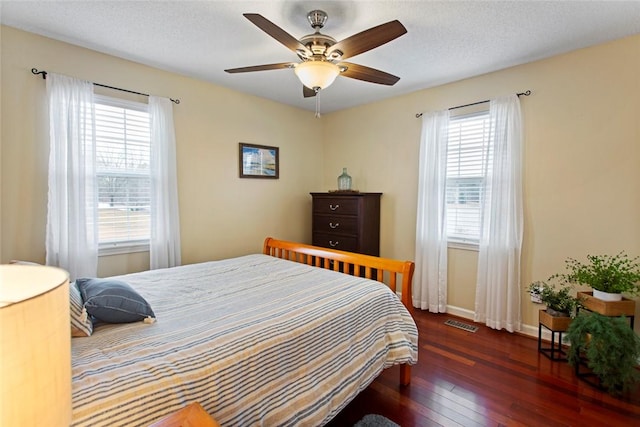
{"x": 367, "y": 74}
{"x": 281, "y": 65}
{"x": 276, "y": 32}
{"x": 368, "y": 39}
{"x": 308, "y": 93}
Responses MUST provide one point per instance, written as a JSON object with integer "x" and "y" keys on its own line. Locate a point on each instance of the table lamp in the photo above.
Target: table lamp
{"x": 35, "y": 346}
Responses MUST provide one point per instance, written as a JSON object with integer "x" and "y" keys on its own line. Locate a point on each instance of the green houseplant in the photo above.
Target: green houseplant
{"x": 608, "y": 346}
{"x": 611, "y": 274}
{"x": 559, "y": 300}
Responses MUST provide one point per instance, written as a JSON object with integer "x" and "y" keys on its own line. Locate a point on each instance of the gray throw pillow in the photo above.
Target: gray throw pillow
{"x": 113, "y": 301}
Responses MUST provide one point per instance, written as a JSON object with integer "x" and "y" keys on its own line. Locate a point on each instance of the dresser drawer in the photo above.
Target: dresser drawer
{"x": 335, "y": 224}
{"x": 333, "y": 241}
{"x": 337, "y": 205}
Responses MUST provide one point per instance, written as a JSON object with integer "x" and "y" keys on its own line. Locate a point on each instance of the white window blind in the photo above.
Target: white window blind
{"x": 123, "y": 174}
{"x": 467, "y": 155}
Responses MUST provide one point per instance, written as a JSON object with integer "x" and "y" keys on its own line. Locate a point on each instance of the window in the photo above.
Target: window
{"x": 467, "y": 160}
{"x": 123, "y": 148}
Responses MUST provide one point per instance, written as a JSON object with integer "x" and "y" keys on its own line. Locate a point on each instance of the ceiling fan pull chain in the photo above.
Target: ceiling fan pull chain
{"x": 317, "y": 89}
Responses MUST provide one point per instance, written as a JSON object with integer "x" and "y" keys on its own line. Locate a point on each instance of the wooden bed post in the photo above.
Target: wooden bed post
{"x": 405, "y": 375}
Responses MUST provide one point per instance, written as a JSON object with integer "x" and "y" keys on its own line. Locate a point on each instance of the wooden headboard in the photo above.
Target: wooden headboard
{"x": 381, "y": 269}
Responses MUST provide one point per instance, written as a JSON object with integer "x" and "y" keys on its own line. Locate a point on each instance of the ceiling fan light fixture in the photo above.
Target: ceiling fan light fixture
{"x": 317, "y": 74}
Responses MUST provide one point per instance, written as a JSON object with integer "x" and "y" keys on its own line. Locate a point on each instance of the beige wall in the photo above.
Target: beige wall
{"x": 581, "y": 174}
{"x": 221, "y": 215}
{"x": 581, "y": 160}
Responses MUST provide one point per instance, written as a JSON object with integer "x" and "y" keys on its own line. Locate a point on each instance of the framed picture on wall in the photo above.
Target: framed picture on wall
{"x": 258, "y": 161}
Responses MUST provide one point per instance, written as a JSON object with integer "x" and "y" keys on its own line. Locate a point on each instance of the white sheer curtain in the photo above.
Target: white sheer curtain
{"x": 165, "y": 220}
{"x": 72, "y": 235}
{"x": 430, "y": 278}
{"x": 498, "y": 288}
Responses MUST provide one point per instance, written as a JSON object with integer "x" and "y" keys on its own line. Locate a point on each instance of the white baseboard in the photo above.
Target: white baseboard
{"x": 460, "y": 312}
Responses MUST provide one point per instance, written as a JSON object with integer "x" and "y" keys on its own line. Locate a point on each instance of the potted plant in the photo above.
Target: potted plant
{"x": 559, "y": 300}
{"x": 608, "y": 347}
{"x": 562, "y": 306}
{"x": 608, "y": 275}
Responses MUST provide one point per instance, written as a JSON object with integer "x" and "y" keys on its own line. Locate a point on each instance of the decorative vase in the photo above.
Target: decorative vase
{"x": 606, "y": 296}
{"x": 344, "y": 181}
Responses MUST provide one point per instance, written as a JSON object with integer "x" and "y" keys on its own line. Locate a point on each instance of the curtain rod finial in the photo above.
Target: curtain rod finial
{"x": 36, "y": 72}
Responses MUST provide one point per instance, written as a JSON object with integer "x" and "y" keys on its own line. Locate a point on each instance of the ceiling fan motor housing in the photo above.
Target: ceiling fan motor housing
{"x": 317, "y": 42}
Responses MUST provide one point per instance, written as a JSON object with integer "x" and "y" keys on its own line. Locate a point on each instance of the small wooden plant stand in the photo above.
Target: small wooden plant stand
{"x": 557, "y": 325}
{"x": 626, "y": 307}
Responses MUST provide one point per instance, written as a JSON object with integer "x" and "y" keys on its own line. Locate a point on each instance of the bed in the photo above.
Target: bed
{"x": 271, "y": 339}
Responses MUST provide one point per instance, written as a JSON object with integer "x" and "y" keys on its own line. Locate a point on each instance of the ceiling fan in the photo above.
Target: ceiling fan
{"x": 323, "y": 57}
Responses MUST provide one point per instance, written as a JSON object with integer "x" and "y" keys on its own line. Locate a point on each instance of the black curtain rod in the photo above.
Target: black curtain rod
{"x": 526, "y": 93}
{"x": 44, "y": 76}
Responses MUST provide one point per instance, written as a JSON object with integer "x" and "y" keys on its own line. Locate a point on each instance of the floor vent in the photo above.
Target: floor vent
{"x": 461, "y": 325}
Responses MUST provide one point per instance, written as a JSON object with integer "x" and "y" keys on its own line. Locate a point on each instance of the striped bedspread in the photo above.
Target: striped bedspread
{"x": 257, "y": 340}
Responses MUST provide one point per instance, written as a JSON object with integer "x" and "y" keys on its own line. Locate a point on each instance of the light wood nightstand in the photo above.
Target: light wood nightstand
{"x": 192, "y": 415}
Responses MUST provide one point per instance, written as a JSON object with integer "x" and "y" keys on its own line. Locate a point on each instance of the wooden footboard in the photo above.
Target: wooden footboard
{"x": 395, "y": 274}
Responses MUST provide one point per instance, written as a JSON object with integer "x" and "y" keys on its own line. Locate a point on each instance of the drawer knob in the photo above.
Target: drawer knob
{"x": 333, "y": 244}
{"x": 334, "y": 226}
{"x": 334, "y": 207}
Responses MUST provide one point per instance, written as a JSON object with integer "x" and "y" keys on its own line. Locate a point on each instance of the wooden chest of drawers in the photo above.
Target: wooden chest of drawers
{"x": 347, "y": 221}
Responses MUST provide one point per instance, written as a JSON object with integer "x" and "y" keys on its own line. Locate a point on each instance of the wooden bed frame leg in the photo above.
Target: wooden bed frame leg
{"x": 405, "y": 374}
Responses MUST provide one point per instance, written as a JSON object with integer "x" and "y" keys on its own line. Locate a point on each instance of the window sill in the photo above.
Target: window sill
{"x": 464, "y": 246}
{"x": 107, "y": 249}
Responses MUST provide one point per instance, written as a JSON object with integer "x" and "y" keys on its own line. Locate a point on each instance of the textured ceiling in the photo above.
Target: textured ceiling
{"x": 446, "y": 40}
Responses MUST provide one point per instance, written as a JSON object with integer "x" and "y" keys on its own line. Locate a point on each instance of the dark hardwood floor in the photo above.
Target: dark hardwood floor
{"x": 487, "y": 378}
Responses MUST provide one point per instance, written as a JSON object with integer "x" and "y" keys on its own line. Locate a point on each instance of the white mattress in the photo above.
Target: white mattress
{"x": 257, "y": 340}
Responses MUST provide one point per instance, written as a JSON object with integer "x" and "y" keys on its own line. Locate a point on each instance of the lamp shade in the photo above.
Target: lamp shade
{"x": 317, "y": 74}
{"x": 35, "y": 346}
